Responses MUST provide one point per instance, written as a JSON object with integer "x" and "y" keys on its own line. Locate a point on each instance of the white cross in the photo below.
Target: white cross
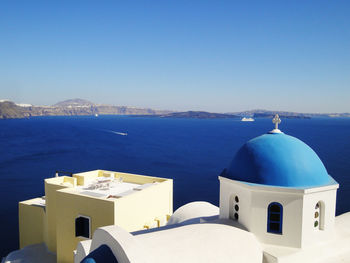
{"x": 276, "y": 120}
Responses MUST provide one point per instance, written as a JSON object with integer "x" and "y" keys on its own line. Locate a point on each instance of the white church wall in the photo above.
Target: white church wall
{"x": 224, "y": 202}
{"x": 229, "y": 190}
{"x": 253, "y": 210}
{"x": 324, "y": 230}
{"x": 298, "y": 211}
{"x": 292, "y": 204}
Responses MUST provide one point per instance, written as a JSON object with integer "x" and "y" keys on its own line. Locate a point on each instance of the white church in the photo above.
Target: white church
{"x": 277, "y": 204}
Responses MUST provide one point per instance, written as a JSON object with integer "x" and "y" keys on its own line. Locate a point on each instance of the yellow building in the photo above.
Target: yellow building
{"x": 75, "y": 206}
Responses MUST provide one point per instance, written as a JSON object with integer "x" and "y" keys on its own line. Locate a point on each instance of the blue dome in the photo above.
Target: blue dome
{"x": 277, "y": 159}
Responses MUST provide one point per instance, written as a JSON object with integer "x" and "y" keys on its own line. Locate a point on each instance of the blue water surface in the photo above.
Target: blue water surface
{"x": 193, "y": 152}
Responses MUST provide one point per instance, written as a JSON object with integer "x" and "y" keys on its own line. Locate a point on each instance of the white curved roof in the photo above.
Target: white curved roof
{"x": 202, "y": 243}
{"x": 189, "y": 243}
{"x": 194, "y": 210}
{"x": 342, "y": 223}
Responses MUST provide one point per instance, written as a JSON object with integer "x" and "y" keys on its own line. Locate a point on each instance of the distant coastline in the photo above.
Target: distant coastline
{"x": 194, "y": 115}
{"x": 80, "y": 107}
{"x": 75, "y": 107}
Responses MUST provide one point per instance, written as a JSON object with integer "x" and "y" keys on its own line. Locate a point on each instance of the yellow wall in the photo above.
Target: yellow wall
{"x": 138, "y": 209}
{"x": 31, "y": 223}
{"x": 86, "y": 177}
{"x": 69, "y": 206}
{"x": 51, "y": 186}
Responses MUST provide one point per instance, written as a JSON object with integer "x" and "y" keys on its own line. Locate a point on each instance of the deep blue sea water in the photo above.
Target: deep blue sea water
{"x": 192, "y": 152}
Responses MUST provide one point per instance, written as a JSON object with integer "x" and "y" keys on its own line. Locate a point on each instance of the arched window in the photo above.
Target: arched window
{"x": 234, "y": 210}
{"x": 275, "y": 218}
{"x": 319, "y": 216}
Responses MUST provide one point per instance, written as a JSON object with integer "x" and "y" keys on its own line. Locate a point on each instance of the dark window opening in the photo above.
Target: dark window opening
{"x": 275, "y": 208}
{"x": 275, "y": 218}
{"x": 274, "y": 227}
{"x": 236, "y": 207}
{"x": 82, "y": 227}
{"x": 236, "y": 216}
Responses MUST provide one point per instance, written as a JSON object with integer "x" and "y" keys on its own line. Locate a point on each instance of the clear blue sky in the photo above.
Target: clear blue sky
{"x": 220, "y": 56}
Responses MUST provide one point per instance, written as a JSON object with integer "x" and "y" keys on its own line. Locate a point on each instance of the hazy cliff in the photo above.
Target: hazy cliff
{"x": 70, "y": 107}
{"x": 9, "y": 109}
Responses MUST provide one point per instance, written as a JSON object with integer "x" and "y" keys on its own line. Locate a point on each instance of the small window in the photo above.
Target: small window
{"x": 275, "y": 218}
{"x": 319, "y": 216}
{"x": 82, "y": 226}
{"x": 234, "y": 203}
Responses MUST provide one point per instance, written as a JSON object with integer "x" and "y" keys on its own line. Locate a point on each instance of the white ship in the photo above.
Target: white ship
{"x": 247, "y": 119}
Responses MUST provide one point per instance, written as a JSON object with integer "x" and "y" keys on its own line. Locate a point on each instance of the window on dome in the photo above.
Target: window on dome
{"x": 275, "y": 218}
{"x": 82, "y": 226}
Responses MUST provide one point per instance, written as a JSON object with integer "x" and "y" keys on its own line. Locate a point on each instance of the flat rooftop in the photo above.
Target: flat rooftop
{"x": 112, "y": 189}
{"x": 105, "y": 184}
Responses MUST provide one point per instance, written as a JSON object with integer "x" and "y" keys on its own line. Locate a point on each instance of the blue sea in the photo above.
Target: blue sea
{"x": 193, "y": 152}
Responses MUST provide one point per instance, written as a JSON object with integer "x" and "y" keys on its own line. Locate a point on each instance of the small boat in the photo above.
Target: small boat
{"x": 247, "y": 119}
{"x": 96, "y": 115}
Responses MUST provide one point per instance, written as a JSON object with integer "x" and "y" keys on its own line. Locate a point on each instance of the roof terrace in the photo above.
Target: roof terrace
{"x": 105, "y": 184}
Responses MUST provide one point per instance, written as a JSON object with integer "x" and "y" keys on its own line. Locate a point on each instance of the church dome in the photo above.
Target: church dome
{"x": 277, "y": 159}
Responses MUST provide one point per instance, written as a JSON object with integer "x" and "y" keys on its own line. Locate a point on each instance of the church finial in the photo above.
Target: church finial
{"x": 276, "y": 120}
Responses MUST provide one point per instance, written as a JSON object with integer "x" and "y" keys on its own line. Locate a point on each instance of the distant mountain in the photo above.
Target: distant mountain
{"x": 286, "y": 114}
{"x": 250, "y": 113}
{"x": 69, "y": 108}
{"x": 8, "y": 109}
{"x": 73, "y": 103}
{"x": 197, "y": 115}
{"x": 72, "y": 107}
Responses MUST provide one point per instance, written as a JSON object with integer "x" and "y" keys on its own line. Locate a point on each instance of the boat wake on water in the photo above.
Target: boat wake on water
{"x": 118, "y": 133}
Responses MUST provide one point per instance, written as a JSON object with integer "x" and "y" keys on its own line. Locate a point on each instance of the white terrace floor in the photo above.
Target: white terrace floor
{"x": 105, "y": 188}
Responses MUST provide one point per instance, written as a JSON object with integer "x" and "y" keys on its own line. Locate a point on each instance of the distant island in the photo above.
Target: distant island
{"x": 9, "y": 109}
{"x": 75, "y": 107}
{"x": 194, "y": 115}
